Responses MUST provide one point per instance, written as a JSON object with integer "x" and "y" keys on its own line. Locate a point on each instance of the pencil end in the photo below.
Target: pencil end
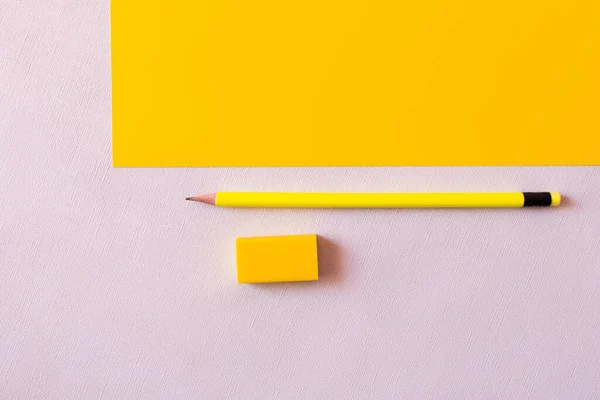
{"x": 188, "y": 198}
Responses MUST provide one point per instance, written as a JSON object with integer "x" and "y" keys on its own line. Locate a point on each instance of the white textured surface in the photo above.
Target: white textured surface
{"x": 112, "y": 286}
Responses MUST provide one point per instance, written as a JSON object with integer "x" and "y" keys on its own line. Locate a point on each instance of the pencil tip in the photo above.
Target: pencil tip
{"x": 206, "y": 198}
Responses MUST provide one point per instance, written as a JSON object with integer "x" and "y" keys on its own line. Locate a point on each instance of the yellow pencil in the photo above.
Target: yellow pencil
{"x": 380, "y": 200}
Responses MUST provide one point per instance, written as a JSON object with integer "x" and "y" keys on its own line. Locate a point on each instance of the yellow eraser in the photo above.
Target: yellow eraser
{"x": 277, "y": 259}
{"x": 555, "y": 199}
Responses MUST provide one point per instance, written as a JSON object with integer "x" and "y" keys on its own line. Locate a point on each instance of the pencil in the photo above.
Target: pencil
{"x": 380, "y": 200}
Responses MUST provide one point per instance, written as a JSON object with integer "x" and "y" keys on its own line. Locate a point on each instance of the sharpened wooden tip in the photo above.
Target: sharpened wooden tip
{"x": 210, "y": 198}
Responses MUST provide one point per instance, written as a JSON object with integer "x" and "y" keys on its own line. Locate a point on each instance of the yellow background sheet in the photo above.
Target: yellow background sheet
{"x": 348, "y": 82}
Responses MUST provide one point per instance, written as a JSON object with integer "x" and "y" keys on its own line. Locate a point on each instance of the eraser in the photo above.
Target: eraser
{"x": 555, "y": 199}
{"x": 277, "y": 259}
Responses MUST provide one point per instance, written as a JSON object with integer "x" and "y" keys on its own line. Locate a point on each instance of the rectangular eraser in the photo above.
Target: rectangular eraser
{"x": 277, "y": 259}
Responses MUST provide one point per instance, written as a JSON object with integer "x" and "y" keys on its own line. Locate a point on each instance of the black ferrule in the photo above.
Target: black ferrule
{"x": 539, "y": 199}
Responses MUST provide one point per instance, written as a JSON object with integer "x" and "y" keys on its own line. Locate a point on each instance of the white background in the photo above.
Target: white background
{"x": 113, "y": 286}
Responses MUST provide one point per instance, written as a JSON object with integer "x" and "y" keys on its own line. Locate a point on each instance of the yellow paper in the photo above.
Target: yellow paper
{"x": 348, "y": 82}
